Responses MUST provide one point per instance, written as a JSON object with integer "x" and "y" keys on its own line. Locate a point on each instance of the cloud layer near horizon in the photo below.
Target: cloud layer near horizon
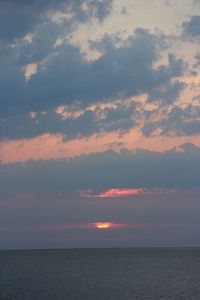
{"x": 176, "y": 168}
{"x": 155, "y": 192}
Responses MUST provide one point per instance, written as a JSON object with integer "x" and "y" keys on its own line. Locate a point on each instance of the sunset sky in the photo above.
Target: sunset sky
{"x": 99, "y": 123}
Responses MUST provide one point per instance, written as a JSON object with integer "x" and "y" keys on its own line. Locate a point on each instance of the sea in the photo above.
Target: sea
{"x": 106, "y": 274}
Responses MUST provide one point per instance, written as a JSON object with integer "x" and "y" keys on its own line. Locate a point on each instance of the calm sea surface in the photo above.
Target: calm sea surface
{"x": 110, "y": 274}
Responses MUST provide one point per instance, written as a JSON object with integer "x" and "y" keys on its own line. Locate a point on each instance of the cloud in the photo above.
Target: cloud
{"x": 18, "y": 18}
{"x": 28, "y": 34}
{"x": 172, "y": 169}
{"x": 197, "y": 57}
{"x": 40, "y": 205}
{"x": 191, "y": 28}
{"x": 77, "y": 123}
{"x": 111, "y": 193}
{"x": 176, "y": 121}
{"x": 66, "y": 77}
{"x": 115, "y": 193}
{"x": 167, "y": 93}
{"x": 100, "y": 9}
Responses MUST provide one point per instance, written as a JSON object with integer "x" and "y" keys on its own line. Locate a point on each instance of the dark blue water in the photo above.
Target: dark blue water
{"x": 110, "y": 274}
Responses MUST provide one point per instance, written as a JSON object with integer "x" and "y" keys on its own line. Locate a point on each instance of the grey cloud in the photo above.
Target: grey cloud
{"x": 197, "y": 57}
{"x": 19, "y": 18}
{"x": 88, "y": 123}
{"x": 41, "y": 46}
{"x": 168, "y": 93}
{"x": 192, "y": 127}
{"x": 100, "y": 8}
{"x": 102, "y": 171}
{"x": 179, "y": 121}
{"x": 194, "y": 73}
{"x": 196, "y": 97}
{"x": 192, "y": 27}
{"x": 67, "y": 76}
{"x": 46, "y": 192}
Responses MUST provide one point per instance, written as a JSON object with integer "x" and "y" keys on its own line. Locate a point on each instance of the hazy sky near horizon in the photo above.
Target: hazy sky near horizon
{"x": 99, "y": 123}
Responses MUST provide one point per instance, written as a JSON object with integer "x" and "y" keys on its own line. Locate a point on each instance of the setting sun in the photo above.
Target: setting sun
{"x": 103, "y": 225}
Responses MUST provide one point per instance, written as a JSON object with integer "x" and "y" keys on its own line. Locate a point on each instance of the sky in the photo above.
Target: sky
{"x": 99, "y": 123}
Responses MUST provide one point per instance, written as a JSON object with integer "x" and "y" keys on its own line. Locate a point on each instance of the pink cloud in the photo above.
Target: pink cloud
{"x": 115, "y": 192}
{"x": 52, "y": 146}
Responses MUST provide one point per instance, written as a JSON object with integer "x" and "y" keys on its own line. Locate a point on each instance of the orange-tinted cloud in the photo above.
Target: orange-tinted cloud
{"x": 51, "y": 146}
{"x": 115, "y": 192}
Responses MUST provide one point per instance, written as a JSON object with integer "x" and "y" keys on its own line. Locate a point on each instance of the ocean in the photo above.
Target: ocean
{"x": 106, "y": 274}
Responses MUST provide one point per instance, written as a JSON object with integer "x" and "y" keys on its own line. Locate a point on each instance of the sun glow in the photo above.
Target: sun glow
{"x": 103, "y": 225}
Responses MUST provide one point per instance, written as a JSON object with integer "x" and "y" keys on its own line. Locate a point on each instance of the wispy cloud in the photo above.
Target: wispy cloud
{"x": 117, "y": 192}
